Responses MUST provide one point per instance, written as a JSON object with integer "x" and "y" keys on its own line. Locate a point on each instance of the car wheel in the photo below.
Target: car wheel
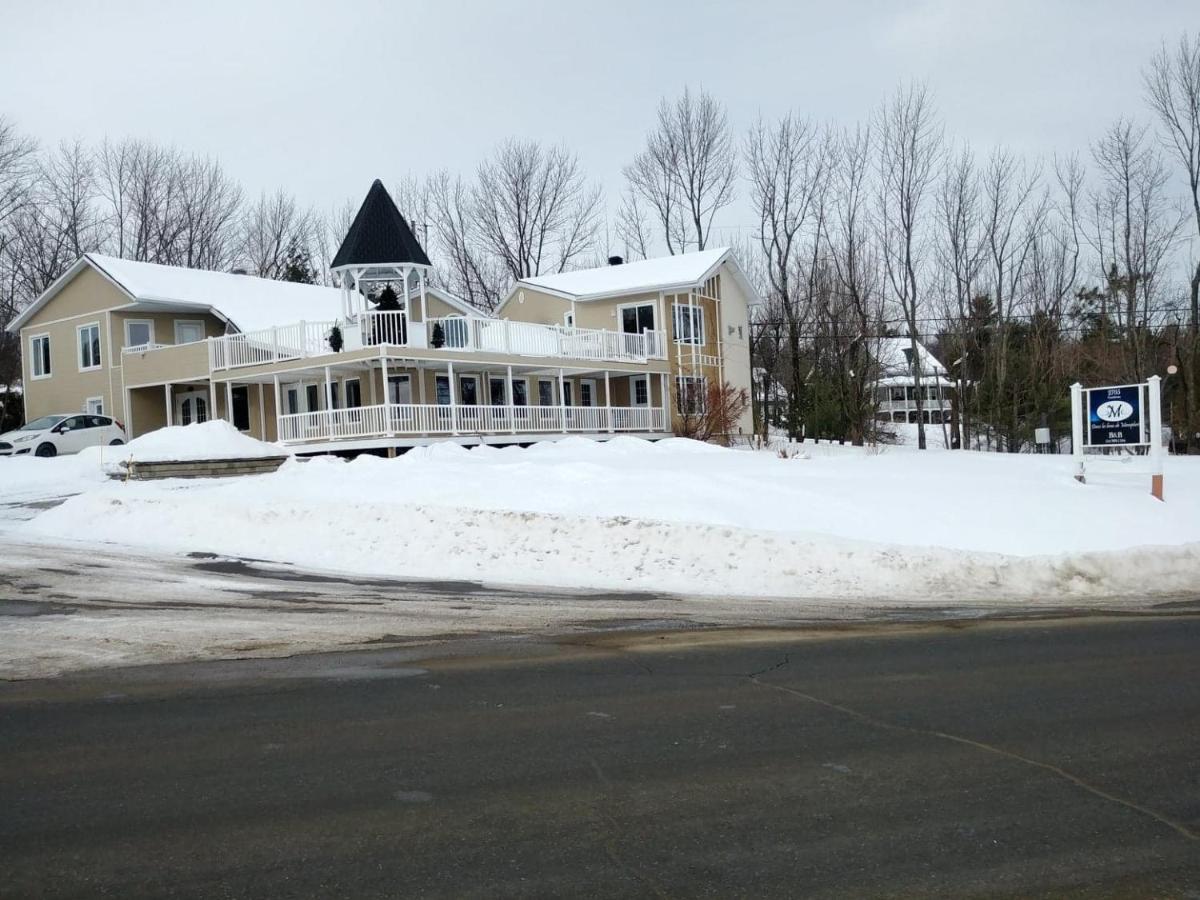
{"x": 116, "y": 443}
{"x": 46, "y": 450}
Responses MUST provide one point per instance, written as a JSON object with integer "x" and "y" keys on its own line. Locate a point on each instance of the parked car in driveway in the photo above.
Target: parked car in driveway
{"x": 62, "y": 433}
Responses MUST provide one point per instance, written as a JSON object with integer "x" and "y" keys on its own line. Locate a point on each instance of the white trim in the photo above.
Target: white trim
{"x": 130, "y": 343}
{"x": 636, "y": 304}
{"x": 633, "y": 380}
{"x": 692, "y": 309}
{"x": 99, "y": 364}
{"x": 36, "y": 356}
{"x": 200, "y": 322}
{"x": 99, "y": 412}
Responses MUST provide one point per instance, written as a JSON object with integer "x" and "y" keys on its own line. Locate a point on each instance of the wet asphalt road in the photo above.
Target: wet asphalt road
{"x": 1040, "y": 759}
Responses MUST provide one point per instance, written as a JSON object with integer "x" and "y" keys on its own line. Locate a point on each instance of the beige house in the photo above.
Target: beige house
{"x": 385, "y": 360}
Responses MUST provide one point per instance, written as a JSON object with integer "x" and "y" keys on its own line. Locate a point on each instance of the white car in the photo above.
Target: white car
{"x": 62, "y": 433}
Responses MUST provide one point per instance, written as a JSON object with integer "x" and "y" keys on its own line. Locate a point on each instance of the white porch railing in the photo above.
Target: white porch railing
{"x": 283, "y": 342}
{"x": 413, "y": 419}
{"x": 529, "y": 339}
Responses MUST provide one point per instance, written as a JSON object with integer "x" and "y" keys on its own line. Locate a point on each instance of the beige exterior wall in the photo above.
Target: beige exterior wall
{"x": 87, "y": 292}
{"x": 537, "y": 307}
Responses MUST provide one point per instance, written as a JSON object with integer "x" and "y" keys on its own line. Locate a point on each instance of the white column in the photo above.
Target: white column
{"x": 212, "y": 400}
{"x": 170, "y": 407}
{"x": 328, "y": 402}
{"x": 562, "y": 400}
{"x": 1077, "y": 430}
{"x": 1154, "y": 397}
{"x": 371, "y": 385}
{"x": 512, "y": 412}
{"x": 421, "y": 287}
{"x": 453, "y": 400}
{"x": 666, "y": 399}
{"x": 608, "y": 402}
{"x": 229, "y": 402}
{"x": 278, "y": 410}
{"x": 262, "y": 413}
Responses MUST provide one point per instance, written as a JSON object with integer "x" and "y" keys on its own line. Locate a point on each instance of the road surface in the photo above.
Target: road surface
{"x": 1054, "y": 758}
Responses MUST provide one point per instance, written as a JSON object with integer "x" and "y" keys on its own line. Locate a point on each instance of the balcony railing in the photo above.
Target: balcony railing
{"x": 508, "y": 337}
{"x": 283, "y": 342}
{"x": 410, "y": 419}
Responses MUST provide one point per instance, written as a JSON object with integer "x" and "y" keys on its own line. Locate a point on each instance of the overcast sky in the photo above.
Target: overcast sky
{"x": 322, "y": 97}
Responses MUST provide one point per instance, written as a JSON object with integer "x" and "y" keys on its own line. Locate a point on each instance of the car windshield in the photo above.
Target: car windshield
{"x": 41, "y": 424}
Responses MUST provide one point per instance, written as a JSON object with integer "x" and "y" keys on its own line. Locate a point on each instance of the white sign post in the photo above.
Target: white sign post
{"x": 1117, "y": 417}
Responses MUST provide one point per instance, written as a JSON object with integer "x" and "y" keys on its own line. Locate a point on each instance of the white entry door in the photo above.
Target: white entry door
{"x": 191, "y": 407}
{"x": 639, "y": 390}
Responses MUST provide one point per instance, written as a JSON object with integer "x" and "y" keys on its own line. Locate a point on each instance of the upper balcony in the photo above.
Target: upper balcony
{"x": 452, "y": 335}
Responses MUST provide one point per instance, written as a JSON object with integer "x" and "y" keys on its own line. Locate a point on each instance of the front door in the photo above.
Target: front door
{"x": 191, "y": 407}
{"x": 639, "y": 390}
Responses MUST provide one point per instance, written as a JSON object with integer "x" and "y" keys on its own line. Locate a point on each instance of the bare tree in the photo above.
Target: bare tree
{"x": 16, "y": 168}
{"x": 909, "y": 146}
{"x": 469, "y": 270}
{"x": 788, "y": 164}
{"x": 1173, "y": 90}
{"x": 534, "y": 209}
{"x": 272, "y": 229}
{"x": 686, "y": 172}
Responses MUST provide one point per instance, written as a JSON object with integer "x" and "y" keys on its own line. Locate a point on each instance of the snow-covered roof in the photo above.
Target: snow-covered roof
{"x": 664, "y": 273}
{"x": 248, "y": 302}
{"x": 893, "y": 356}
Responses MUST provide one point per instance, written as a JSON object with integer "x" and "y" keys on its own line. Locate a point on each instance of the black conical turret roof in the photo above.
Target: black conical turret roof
{"x": 379, "y": 235}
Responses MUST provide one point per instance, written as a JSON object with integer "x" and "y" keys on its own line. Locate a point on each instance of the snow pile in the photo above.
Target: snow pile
{"x": 678, "y": 516}
{"x": 28, "y": 479}
{"x": 216, "y": 439}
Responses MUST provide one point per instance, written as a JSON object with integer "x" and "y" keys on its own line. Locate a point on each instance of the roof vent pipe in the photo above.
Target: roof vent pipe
{"x": 615, "y": 260}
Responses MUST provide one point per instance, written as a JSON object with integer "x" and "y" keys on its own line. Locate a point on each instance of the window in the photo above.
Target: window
{"x": 636, "y": 319}
{"x": 399, "y": 389}
{"x": 312, "y": 394}
{"x": 496, "y": 392}
{"x": 333, "y": 396}
{"x": 39, "y": 354}
{"x": 689, "y": 324}
{"x": 353, "y": 393}
{"x": 587, "y": 393}
{"x": 641, "y": 391}
{"x": 441, "y": 388}
{"x": 567, "y": 394}
{"x": 75, "y": 423}
{"x": 188, "y": 331}
{"x": 241, "y": 408}
{"x": 94, "y": 405}
{"x": 468, "y": 390}
{"x": 545, "y": 392}
{"x": 898, "y": 395}
{"x": 139, "y": 332}
{"x": 89, "y": 346}
{"x": 98, "y": 421}
{"x": 569, "y": 319}
{"x": 520, "y": 392}
{"x": 292, "y": 400}
{"x": 689, "y": 392}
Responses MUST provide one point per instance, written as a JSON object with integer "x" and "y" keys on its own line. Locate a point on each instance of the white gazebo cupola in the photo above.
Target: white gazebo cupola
{"x": 380, "y": 248}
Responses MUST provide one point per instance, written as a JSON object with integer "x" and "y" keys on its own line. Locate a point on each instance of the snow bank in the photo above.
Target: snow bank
{"x": 686, "y": 517}
{"x": 216, "y": 439}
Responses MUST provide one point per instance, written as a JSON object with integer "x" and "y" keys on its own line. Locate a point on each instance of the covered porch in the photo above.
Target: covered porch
{"x": 393, "y": 401}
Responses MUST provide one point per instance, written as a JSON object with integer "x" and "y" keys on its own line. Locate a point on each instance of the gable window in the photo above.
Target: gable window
{"x": 689, "y": 324}
{"x": 39, "y": 355}
{"x": 139, "y": 332}
{"x": 689, "y": 392}
{"x": 188, "y": 331}
{"x": 89, "y": 346}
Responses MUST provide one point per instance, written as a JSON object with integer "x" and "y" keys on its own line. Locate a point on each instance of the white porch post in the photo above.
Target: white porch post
{"x": 512, "y": 414}
{"x": 328, "y": 403}
{"x": 608, "y": 403}
{"x": 562, "y": 399}
{"x": 1154, "y": 397}
{"x": 666, "y": 402}
{"x": 212, "y": 400}
{"x": 229, "y": 402}
{"x": 453, "y": 402}
{"x": 421, "y": 288}
{"x": 387, "y": 392}
{"x": 170, "y": 409}
{"x": 278, "y": 410}
{"x": 262, "y": 413}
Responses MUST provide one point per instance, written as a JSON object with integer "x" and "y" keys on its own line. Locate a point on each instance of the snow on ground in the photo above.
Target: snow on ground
{"x": 216, "y": 439}
{"x": 895, "y": 526}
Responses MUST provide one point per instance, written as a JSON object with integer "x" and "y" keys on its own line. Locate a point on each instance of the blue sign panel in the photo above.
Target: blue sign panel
{"x": 1115, "y": 416}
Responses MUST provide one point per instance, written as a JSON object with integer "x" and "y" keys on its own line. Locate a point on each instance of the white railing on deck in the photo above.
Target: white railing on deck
{"x": 512, "y": 338}
{"x": 384, "y": 327}
{"x": 282, "y": 342}
{"x": 414, "y": 419}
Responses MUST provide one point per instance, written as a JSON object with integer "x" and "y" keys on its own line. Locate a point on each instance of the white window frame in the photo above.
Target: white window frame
{"x": 621, "y": 307}
{"x": 569, "y": 318}
{"x": 148, "y": 322}
{"x": 397, "y": 380}
{"x": 94, "y": 406}
{"x": 197, "y": 322}
{"x": 520, "y": 380}
{"x": 99, "y": 363}
{"x": 591, "y": 385}
{"x": 35, "y": 358}
{"x": 540, "y": 382}
{"x": 681, "y": 394}
{"x": 634, "y": 380}
{"x": 677, "y": 317}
